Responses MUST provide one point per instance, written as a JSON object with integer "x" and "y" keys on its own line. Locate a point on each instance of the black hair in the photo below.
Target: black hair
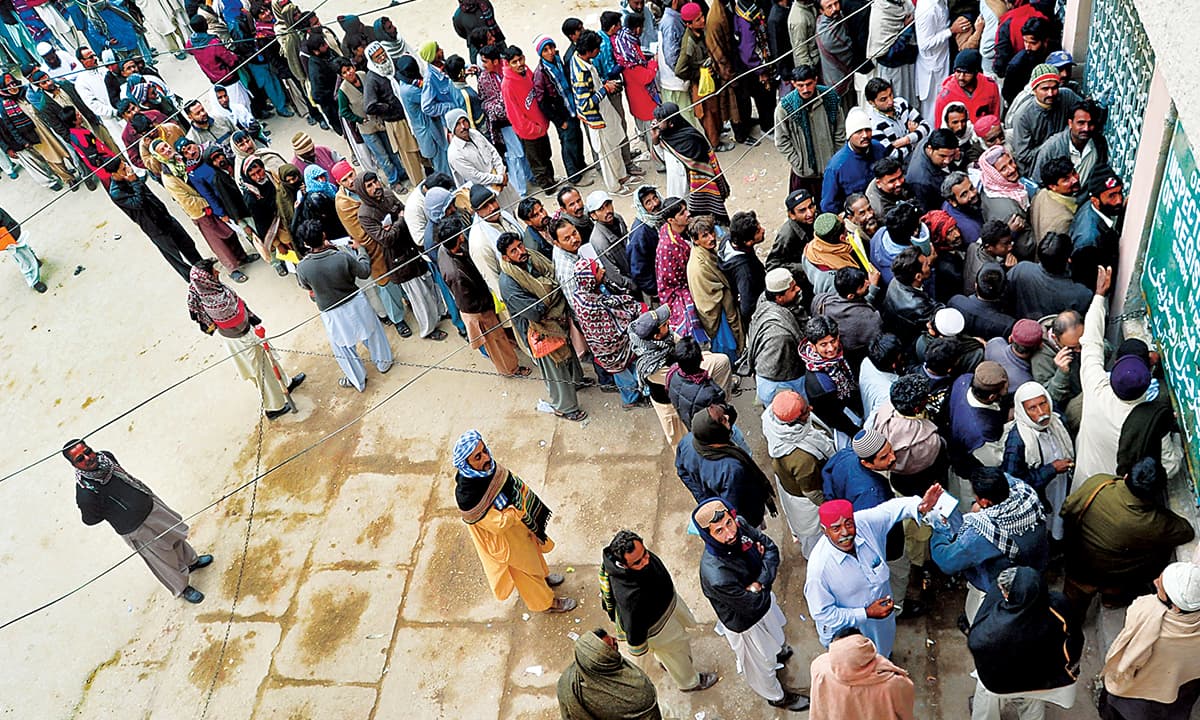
{"x": 455, "y": 68}
{"x": 1145, "y": 480}
{"x": 622, "y": 544}
{"x": 942, "y": 139}
{"x": 907, "y": 265}
{"x": 1087, "y": 105}
{"x": 848, "y": 631}
{"x": 311, "y": 233}
{"x": 492, "y": 52}
{"x": 874, "y": 87}
{"x": 902, "y": 223}
{"x": 941, "y": 355}
{"x": 1036, "y": 27}
{"x": 441, "y": 180}
{"x": 886, "y": 166}
{"x": 820, "y": 326}
{"x": 478, "y": 37}
{"x": 446, "y": 228}
{"x": 851, "y": 199}
{"x": 990, "y": 282}
{"x": 1066, "y": 320}
{"x": 1056, "y": 169}
{"x": 994, "y": 232}
{"x": 742, "y": 229}
{"x": 802, "y": 73}
{"x": 563, "y": 192}
{"x": 671, "y": 207}
{"x": 196, "y": 23}
{"x": 512, "y": 52}
{"x": 70, "y": 444}
{"x": 687, "y": 353}
{"x": 885, "y": 351}
{"x": 848, "y": 280}
{"x": 587, "y": 42}
{"x": 557, "y": 225}
{"x": 609, "y": 19}
{"x": 910, "y": 393}
{"x": 187, "y": 106}
{"x": 506, "y": 240}
{"x": 526, "y": 206}
{"x": 989, "y": 483}
{"x": 634, "y": 21}
{"x": 1054, "y": 252}
{"x": 571, "y": 26}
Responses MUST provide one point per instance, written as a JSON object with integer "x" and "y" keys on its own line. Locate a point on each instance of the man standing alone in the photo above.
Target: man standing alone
{"x": 105, "y": 491}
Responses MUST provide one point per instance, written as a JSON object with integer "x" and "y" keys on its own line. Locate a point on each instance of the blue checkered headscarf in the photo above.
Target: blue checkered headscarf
{"x": 463, "y": 450}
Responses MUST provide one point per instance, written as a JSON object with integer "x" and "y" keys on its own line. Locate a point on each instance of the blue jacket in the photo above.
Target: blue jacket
{"x": 845, "y": 478}
{"x": 641, "y": 250}
{"x": 925, "y": 179}
{"x": 439, "y": 97}
{"x": 203, "y": 179}
{"x": 959, "y": 548}
{"x": 1017, "y": 466}
{"x": 848, "y": 173}
{"x": 605, "y": 63}
{"x": 114, "y": 14}
{"x": 424, "y": 126}
{"x": 725, "y": 478}
{"x": 970, "y": 427}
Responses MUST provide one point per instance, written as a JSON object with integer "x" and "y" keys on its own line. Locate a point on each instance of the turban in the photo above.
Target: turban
{"x": 463, "y": 449}
{"x": 985, "y": 124}
{"x": 833, "y": 510}
{"x": 1181, "y": 582}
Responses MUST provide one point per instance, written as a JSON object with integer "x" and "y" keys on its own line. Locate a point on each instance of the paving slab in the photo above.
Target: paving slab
{"x": 320, "y": 702}
{"x": 448, "y": 582}
{"x": 440, "y": 685}
{"x": 344, "y": 623}
{"x": 274, "y": 565}
{"x": 370, "y": 522}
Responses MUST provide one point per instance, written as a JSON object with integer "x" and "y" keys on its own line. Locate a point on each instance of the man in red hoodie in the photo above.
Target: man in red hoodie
{"x": 526, "y": 117}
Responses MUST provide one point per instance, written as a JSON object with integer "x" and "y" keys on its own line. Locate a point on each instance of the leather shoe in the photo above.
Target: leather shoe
{"x": 791, "y": 701}
{"x": 296, "y": 380}
{"x": 276, "y": 414}
{"x": 201, "y": 562}
{"x": 707, "y": 680}
{"x": 783, "y": 655}
{"x": 193, "y": 595}
{"x": 555, "y": 579}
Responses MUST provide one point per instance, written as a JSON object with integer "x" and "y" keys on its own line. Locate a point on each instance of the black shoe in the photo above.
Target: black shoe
{"x": 783, "y": 655}
{"x": 707, "y": 680}
{"x": 385, "y": 320}
{"x": 912, "y": 609}
{"x": 403, "y": 328}
{"x": 296, "y": 380}
{"x": 324, "y": 125}
{"x": 555, "y": 579}
{"x": 963, "y": 625}
{"x": 610, "y": 389}
{"x": 40, "y": 286}
{"x": 311, "y": 120}
{"x": 202, "y": 562}
{"x": 193, "y": 595}
{"x": 252, "y": 257}
{"x": 276, "y": 414}
{"x": 281, "y": 270}
{"x": 791, "y": 701}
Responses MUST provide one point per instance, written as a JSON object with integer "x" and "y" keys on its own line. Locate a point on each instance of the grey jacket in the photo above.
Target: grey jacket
{"x": 330, "y": 274}
{"x": 774, "y": 341}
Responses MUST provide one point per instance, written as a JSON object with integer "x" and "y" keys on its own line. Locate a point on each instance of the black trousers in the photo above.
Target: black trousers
{"x": 177, "y": 247}
{"x": 751, "y": 89}
{"x": 538, "y": 153}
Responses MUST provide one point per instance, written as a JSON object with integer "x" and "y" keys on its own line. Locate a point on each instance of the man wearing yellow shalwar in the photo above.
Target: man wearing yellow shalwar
{"x": 507, "y": 522}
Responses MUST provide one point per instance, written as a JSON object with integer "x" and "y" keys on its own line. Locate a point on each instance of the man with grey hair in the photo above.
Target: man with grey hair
{"x": 963, "y": 204}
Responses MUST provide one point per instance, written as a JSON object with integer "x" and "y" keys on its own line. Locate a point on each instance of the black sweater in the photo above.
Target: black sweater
{"x": 122, "y": 505}
{"x": 724, "y": 579}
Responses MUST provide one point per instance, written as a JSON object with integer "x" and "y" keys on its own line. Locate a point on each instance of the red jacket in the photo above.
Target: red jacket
{"x": 985, "y": 101}
{"x": 214, "y": 59}
{"x": 526, "y": 117}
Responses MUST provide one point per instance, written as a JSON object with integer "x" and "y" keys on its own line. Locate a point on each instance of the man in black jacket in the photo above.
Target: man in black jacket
{"x": 639, "y": 597}
{"x": 105, "y": 491}
{"x": 737, "y": 571}
{"x": 129, "y": 192}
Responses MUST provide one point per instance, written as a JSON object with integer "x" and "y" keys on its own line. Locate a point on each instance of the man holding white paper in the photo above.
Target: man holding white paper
{"x": 847, "y": 583}
{"x": 1006, "y": 527}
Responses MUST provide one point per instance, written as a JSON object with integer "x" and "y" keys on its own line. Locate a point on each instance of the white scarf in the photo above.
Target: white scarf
{"x": 1040, "y": 439}
{"x": 784, "y": 439}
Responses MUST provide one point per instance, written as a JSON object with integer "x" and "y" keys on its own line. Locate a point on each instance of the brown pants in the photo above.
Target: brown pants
{"x": 499, "y": 348}
{"x": 222, "y": 240}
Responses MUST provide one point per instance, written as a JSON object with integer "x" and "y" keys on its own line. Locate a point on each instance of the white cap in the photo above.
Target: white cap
{"x": 44, "y": 48}
{"x": 857, "y": 119}
{"x": 949, "y": 322}
{"x": 779, "y": 280}
{"x": 595, "y": 200}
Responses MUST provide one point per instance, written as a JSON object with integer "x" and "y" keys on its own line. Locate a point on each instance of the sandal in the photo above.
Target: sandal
{"x": 522, "y": 372}
{"x": 345, "y": 382}
{"x": 577, "y": 416}
{"x": 562, "y": 605}
{"x": 436, "y": 335}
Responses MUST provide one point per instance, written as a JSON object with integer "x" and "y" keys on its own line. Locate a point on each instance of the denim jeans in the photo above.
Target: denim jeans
{"x": 627, "y": 383}
{"x": 571, "y": 142}
{"x": 766, "y": 389}
{"x": 389, "y": 161}
{"x": 519, "y": 172}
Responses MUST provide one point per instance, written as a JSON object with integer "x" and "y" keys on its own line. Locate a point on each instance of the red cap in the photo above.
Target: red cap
{"x": 690, "y": 12}
{"x": 340, "y": 169}
{"x": 833, "y": 510}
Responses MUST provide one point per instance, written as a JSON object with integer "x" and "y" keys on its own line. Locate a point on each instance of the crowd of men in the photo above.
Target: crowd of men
{"x": 926, "y": 335}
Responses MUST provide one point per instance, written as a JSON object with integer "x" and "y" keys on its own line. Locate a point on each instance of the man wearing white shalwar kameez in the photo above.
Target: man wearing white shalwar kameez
{"x": 737, "y": 571}
{"x": 329, "y": 274}
{"x": 932, "y": 21}
{"x": 475, "y": 161}
{"x": 487, "y": 225}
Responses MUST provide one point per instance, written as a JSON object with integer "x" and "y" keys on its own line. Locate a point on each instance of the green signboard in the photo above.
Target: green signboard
{"x": 1171, "y": 283}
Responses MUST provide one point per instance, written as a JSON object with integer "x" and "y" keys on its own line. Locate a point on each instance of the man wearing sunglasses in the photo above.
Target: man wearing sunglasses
{"x": 105, "y": 491}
